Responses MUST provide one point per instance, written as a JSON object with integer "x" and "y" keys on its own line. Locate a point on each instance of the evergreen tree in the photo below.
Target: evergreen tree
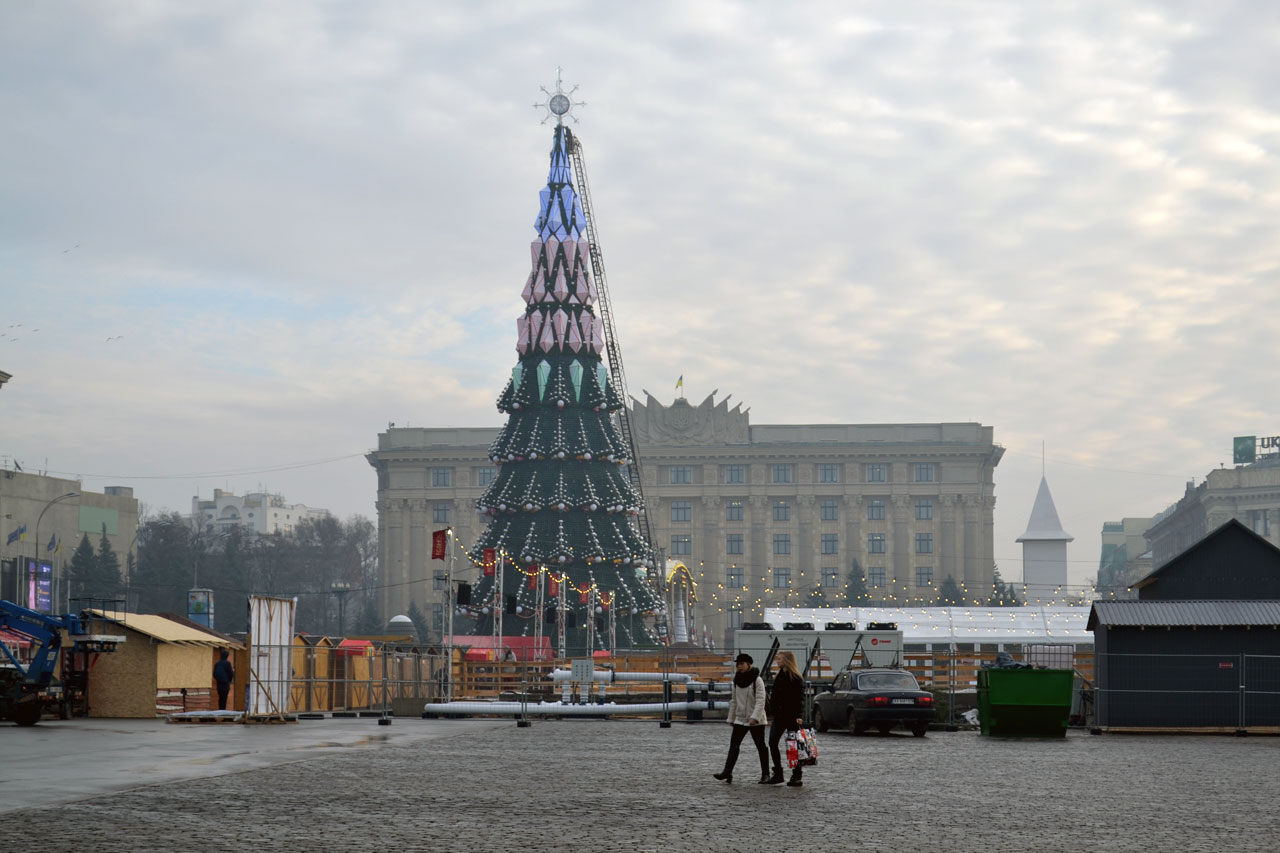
{"x": 110, "y": 583}
{"x": 949, "y": 592}
{"x": 1002, "y": 594}
{"x": 368, "y": 623}
{"x": 855, "y": 591}
{"x": 83, "y": 567}
{"x": 817, "y": 597}
{"x": 420, "y": 624}
{"x": 562, "y": 502}
{"x": 94, "y": 575}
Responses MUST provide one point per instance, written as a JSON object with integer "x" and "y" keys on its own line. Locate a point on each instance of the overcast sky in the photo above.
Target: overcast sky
{"x": 252, "y": 234}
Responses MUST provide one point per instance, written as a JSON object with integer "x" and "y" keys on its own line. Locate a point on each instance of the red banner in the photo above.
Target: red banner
{"x": 438, "y": 544}
{"x": 490, "y": 559}
{"x": 584, "y": 597}
{"x": 553, "y": 586}
{"x": 533, "y": 581}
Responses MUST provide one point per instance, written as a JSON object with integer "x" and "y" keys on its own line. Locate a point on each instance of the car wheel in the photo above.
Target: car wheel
{"x": 855, "y": 727}
{"x": 819, "y": 721}
{"x": 920, "y": 729}
{"x": 884, "y": 728}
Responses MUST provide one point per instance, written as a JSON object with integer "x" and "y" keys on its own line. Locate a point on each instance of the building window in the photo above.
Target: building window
{"x": 441, "y": 477}
{"x": 440, "y": 513}
{"x": 875, "y": 510}
{"x": 735, "y": 616}
{"x": 735, "y": 473}
{"x": 484, "y": 476}
{"x": 781, "y": 511}
{"x": 782, "y": 578}
{"x": 924, "y": 543}
{"x": 682, "y": 510}
{"x": 733, "y": 511}
{"x": 876, "y": 472}
{"x": 924, "y": 575}
{"x": 875, "y": 543}
{"x": 830, "y": 577}
{"x": 681, "y": 475}
{"x": 830, "y": 543}
{"x": 830, "y": 511}
{"x": 924, "y": 510}
{"x": 437, "y": 618}
{"x": 439, "y": 580}
{"x": 828, "y": 473}
{"x": 782, "y": 543}
{"x": 681, "y": 545}
{"x": 733, "y": 543}
{"x": 924, "y": 472}
{"x": 782, "y": 473}
{"x": 875, "y": 575}
{"x": 733, "y": 577}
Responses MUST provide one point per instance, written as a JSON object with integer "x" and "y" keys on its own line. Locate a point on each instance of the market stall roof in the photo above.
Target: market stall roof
{"x": 165, "y": 630}
{"x": 353, "y": 647}
{"x": 1043, "y": 624}
{"x": 12, "y": 639}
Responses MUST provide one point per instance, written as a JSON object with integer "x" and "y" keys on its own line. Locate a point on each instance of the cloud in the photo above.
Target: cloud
{"x": 307, "y": 220}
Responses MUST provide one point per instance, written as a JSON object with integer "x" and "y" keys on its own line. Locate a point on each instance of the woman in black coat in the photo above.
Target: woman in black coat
{"x": 787, "y": 706}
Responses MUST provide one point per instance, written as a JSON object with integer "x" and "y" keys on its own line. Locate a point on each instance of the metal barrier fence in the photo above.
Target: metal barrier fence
{"x": 377, "y": 677}
{"x": 1230, "y": 692}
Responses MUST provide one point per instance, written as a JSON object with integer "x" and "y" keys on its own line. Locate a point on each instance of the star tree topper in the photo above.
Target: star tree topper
{"x": 559, "y": 103}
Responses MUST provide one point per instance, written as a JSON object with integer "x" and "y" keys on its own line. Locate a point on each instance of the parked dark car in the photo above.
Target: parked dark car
{"x": 860, "y": 699}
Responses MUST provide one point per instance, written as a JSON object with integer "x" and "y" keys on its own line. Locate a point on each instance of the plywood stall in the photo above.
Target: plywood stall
{"x": 163, "y": 667}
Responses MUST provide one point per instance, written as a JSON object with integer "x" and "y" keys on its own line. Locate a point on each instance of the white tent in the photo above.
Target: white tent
{"x": 945, "y": 625}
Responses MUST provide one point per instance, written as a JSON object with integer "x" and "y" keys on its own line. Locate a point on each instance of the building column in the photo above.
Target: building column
{"x": 900, "y": 532}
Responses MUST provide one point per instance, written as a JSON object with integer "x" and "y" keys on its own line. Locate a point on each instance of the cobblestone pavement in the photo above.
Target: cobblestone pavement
{"x": 592, "y": 785}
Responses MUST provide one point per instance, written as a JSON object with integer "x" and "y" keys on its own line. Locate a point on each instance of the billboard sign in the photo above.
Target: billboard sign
{"x": 1244, "y": 448}
{"x": 39, "y": 586}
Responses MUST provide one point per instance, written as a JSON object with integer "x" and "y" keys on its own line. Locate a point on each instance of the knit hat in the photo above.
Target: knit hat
{"x": 743, "y": 657}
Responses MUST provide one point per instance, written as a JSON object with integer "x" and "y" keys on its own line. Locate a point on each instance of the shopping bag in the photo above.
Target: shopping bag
{"x": 793, "y": 750}
{"x": 807, "y": 748}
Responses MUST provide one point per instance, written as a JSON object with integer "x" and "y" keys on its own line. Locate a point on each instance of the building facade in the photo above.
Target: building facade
{"x": 763, "y": 516}
{"x": 1125, "y": 557}
{"x": 1249, "y": 494}
{"x": 259, "y": 512}
{"x": 43, "y": 520}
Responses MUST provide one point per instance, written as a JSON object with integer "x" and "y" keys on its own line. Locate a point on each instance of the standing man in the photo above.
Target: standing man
{"x": 223, "y": 676}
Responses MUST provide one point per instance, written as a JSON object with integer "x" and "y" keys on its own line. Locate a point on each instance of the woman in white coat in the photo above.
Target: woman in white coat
{"x": 746, "y": 715}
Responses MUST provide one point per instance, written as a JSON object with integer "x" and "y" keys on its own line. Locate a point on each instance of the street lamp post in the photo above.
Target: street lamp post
{"x": 340, "y": 589}
{"x": 39, "y": 519}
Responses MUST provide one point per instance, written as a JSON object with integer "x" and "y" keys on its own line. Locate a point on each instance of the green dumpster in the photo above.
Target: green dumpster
{"x": 1024, "y": 702}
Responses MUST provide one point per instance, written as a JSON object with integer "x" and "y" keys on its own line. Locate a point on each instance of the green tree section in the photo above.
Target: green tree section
{"x": 174, "y": 558}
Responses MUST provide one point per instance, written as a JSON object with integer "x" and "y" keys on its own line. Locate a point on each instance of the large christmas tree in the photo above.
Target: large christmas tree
{"x": 562, "y": 505}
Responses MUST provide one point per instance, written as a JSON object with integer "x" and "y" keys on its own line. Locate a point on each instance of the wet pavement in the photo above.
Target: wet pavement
{"x": 601, "y": 785}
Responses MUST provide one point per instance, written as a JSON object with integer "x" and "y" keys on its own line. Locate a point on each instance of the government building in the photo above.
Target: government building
{"x": 763, "y": 516}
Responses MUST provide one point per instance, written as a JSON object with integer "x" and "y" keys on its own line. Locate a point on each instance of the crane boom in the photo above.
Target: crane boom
{"x": 615, "y": 357}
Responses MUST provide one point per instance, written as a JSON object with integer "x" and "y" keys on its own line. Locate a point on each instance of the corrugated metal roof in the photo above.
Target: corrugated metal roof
{"x": 162, "y": 629}
{"x": 1176, "y": 613}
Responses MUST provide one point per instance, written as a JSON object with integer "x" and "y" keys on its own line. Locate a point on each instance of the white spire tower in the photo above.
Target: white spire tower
{"x": 1044, "y": 550}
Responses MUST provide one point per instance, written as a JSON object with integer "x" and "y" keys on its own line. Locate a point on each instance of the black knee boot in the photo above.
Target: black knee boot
{"x": 795, "y": 778}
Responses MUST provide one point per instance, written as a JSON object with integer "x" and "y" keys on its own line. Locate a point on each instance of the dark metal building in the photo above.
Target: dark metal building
{"x": 1187, "y": 664}
{"x": 1200, "y": 649}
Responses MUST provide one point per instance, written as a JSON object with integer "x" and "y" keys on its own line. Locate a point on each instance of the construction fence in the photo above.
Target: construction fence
{"x": 1213, "y": 692}
{"x": 379, "y": 677}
